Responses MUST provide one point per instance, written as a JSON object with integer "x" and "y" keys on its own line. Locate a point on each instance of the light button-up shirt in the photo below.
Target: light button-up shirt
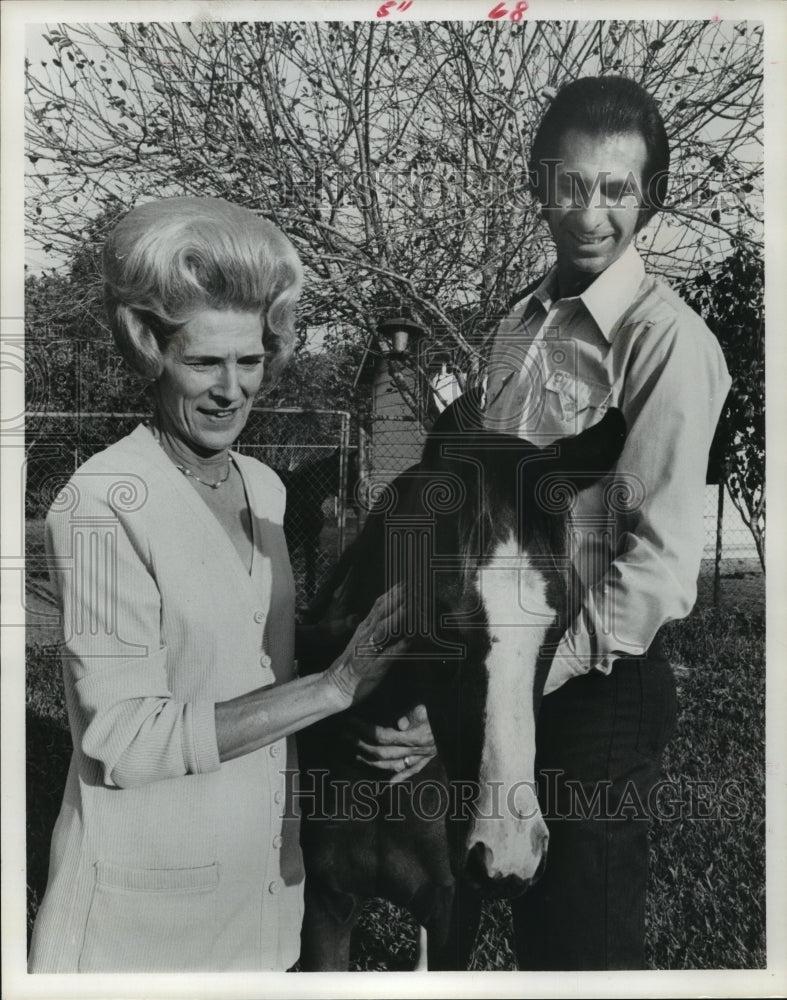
{"x": 637, "y": 536}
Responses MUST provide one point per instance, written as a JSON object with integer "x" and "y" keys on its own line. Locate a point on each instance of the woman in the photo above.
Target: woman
{"x": 176, "y": 848}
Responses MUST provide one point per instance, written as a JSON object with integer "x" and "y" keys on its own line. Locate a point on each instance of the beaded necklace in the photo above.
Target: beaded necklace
{"x": 214, "y": 486}
{"x": 187, "y": 472}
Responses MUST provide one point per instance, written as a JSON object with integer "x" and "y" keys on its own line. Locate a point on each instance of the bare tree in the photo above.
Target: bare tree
{"x": 393, "y": 154}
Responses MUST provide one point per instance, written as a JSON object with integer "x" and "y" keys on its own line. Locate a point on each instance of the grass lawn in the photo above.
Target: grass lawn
{"x": 706, "y": 906}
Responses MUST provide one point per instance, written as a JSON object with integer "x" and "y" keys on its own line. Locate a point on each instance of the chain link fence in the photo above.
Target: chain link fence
{"x": 731, "y": 575}
{"x": 330, "y": 485}
{"x": 309, "y": 449}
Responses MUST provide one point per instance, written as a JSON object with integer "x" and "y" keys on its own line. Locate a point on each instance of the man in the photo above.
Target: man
{"x": 598, "y": 331}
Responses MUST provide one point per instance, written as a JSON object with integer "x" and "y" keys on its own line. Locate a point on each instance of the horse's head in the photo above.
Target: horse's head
{"x": 481, "y": 541}
{"x": 477, "y": 530}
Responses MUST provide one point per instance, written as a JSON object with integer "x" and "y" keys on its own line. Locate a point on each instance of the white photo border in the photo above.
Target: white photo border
{"x": 16, "y": 16}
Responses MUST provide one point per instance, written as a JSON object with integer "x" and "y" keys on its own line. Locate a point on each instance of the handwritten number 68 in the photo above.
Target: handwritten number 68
{"x": 514, "y": 15}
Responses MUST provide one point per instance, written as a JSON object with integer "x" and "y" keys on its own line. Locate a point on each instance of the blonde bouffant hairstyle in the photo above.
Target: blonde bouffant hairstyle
{"x": 168, "y": 259}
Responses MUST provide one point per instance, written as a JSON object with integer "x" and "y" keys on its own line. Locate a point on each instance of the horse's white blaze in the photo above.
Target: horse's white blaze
{"x": 509, "y": 823}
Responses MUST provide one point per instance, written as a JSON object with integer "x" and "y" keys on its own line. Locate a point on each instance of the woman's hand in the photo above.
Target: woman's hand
{"x": 264, "y": 715}
{"x": 403, "y": 750}
{"x": 312, "y": 642}
{"x": 372, "y": 649}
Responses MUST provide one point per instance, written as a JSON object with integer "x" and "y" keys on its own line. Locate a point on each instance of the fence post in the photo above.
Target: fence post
{"x": 344, "y": 456}
{"x": 363, "y": 475}
{"x": 717, "y": 564}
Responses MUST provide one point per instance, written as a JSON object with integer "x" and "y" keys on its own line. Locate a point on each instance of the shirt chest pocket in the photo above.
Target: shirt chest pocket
{"x": 575, "y": 403}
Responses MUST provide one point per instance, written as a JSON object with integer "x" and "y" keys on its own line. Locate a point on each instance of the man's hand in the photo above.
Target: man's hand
{"x": 403, "y": 750}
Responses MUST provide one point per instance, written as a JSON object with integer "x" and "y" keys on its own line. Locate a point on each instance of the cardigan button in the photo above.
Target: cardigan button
{"x": 259, "y": 617}
{"x": 274, "y": 750}
{"x": 277, "y": 841}
{"x": 278, "y": 798}
{"x": 265, "y": 660}
{"x": 274, "y": 888}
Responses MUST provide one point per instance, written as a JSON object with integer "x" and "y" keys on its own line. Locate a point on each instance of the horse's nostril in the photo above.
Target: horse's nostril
{"x": 476, "y": 864}
{"x": 539, "y": 838}
{"x": 477, "y": 872}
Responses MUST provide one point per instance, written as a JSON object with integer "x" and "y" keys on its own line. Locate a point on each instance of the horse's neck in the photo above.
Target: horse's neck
{"x": 392, "y": 699}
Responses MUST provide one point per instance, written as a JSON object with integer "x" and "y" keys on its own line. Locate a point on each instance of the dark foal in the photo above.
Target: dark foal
{"x": 477, "y": 530}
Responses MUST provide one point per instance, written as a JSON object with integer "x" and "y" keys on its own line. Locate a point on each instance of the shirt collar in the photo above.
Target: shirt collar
{"x": 607, "y": 298}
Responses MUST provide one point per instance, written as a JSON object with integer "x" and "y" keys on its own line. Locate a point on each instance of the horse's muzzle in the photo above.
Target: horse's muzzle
{"x": 497, "y": 886}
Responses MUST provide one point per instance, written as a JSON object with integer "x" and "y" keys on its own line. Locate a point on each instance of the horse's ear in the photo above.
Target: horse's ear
{"x": 588, "y": 456}
{"x": 463, "y": 415}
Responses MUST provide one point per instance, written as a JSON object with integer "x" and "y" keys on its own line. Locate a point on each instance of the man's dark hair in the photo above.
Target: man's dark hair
{"x": 604, "y": 105}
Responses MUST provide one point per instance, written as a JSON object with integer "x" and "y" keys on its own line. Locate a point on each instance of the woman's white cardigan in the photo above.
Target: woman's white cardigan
{"x": 163, "y": 858}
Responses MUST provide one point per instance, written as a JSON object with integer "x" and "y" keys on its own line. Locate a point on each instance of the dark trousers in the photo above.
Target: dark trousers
{"x": 599, "y": 741}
